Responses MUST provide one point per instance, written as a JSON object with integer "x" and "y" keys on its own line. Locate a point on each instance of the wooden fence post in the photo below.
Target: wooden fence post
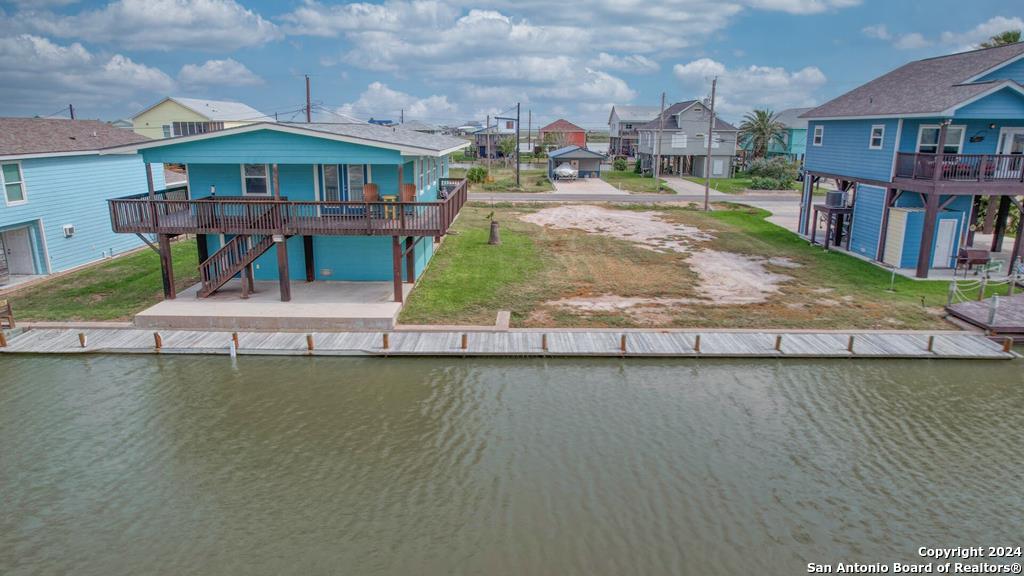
{"x": 158, "y": 341}
{"x": 982, "y": 287}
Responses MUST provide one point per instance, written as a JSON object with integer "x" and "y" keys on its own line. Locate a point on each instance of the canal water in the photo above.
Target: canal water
{"x": 115, "y": 465}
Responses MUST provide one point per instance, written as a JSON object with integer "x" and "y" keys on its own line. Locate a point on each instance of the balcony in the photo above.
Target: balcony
{"x": 171, "y": 212}
{"x": 961, "y": 169}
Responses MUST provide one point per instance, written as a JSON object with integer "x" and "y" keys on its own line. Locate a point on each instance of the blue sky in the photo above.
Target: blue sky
{"x": 448, "y": 61}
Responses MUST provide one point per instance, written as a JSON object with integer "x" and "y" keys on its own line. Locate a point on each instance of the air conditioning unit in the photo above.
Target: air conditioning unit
{"x": 69, "y": 230}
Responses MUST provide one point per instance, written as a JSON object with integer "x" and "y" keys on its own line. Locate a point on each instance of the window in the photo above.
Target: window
{"x": 193, "y": 128}
{"x": 356, "y": 179}
{"x": 877, "y": 137}
{"x": 167, "y": 130}
{"x": 256, "y": 179}
{"x": 716, "y": 140}
{"x": 679, "y": 140}
{"x": 819, "y": 136}
{"x": 14, "y": 184}
{"x": 332, "y": 183}
{"x": 928, "y": 139}
{"x": 510, "y": 124}
{"x": 627, "y": 126}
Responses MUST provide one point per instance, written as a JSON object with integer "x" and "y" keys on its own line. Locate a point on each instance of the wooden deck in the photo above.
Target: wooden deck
{"x": 516, "y": 343}
{"x": 1009, "y": 315}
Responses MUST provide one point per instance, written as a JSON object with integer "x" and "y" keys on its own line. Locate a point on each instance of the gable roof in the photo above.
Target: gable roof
{"x": 670, "y": 118}
{"x": 561, "y": 125}
{"x": 419, "y": 126}
{"x": 215, "y": 110}
{"x": 574, "y": 151}
{"x": 924, "y": 87}
{"x": 44, "y": 136}
{"x": 791, "y": 117}
{"x": 634, "y": 113}
{"x": 393, "y": 138}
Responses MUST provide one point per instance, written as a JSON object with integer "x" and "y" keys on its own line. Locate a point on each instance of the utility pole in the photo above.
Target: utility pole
{"x": 517, "y": 144}
{"x": 309, "y": 112}
{"x": 401, "y": 116}
{"x": 71, "y": 110}
{"x": 529, "y": 129}
{"x": 711, "y": 135}
{"x": 487, "y": 148}
{"x": 657, "y": 145}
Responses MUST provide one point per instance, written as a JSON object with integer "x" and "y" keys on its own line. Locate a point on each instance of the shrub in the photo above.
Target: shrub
{"x": 766, "y": 183}
{"x": 776, "y": 168}
{"x": 637, "y": 167}
{"x": 620, "y": 164}
{"x": 476, "y": 174}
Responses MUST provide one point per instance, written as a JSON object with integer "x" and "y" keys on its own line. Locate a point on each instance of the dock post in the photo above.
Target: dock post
{"x": 849, "y": 345}
{"x": 234, "y": 335}
{"x": 544, "y": 342}
{"x": 465, "y": 341}
{"x": 1007, "y": 344}
{"x": 158, "y": 342}
{"x": 3, "y": 339}
{"x": 309, "y": 342}
{"x": 993, "y": 307}
{"x": 931, "y": 343}
{"x": 952, "y": 293}
{"x": 386, "y": 343}
{"x": 622, "y": 343}
{"x": 696, "y": 344}
{"x": 981, "y": 289}
{"x": 778, "y": 343}
{"x": 82, "y": 340}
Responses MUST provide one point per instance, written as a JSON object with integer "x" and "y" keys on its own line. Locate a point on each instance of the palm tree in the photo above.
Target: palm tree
{"x": 760, "y": 129}
{"x": 1008, "y": 37}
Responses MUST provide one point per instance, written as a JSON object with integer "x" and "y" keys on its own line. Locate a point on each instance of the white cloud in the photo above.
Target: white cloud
{"x": 635, "y": 63}
{"x": 879, "y": 31}
{"x": 743, "y": 89}
{"x": 802, "y": 6}
{"x": 982, "y": 32}
{"x": 911, "y": 41}
{"x": 158, "y": 25}
{"x": 39, "y": 73}
{"x": 380, "y": 101}
{"x": 212, "y": 72}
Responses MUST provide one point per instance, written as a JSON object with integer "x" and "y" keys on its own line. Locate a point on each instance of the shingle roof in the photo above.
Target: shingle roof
{"x": 386, "y": 134}
{"x": 216, "y": 110}
{"x": 635, "y": 113}
{"x": 561, "y": 125}
{"x": 567, "y": 150}
{"x": 419, "y": 126}
{"x": 928, "y": 86}
{"x": 670, "y": 118}
{"x": 41, "y": 135}
{"x": 791, "y": 117}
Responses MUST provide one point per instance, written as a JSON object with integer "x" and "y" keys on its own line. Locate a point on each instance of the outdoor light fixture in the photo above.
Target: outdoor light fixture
{"x": 992, "y": 126}
{"x": 213, "y": 189}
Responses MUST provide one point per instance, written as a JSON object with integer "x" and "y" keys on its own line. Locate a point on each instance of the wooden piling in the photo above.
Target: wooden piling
{"x": 386, "y": 343}
{"x": 158, "y": 342}
{"x": 982, "y": 287}
{"x": 81, "y": 340}
{"x": 696, "y": 344}
{"x": 778, "y": 343}
{"x": 465, "y": 341}
{"x": 309, "y": 342}
{"x": 3, "y": 339}
{"x": 622, "y": 343}
{"x": 1007, "y": 344}
{"x": 544, "y": 342}
{"x": 234, "y": 335}
{"x": 849, "y": 345}
{"x": 931, "y": 343}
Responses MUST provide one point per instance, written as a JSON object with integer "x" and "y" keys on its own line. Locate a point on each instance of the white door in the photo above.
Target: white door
{"x": 1011, "y": 141}
{"x": 944, "y": 241}
{"x": 19, "y": 251}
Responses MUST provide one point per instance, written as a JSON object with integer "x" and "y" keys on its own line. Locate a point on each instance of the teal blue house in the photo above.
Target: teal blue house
{"x": 915, "y": 152}
{"x": 794, "y": 140}
{"x": 289, "y": 202}
{"x": 55, "y": 184}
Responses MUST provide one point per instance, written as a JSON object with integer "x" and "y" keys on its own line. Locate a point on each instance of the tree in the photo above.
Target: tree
{"x": 508, "y": 149}
{"x": 1002, "y": 39}
{"x": 760, "y": 129}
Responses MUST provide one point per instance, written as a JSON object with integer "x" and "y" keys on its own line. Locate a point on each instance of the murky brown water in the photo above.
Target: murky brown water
{"x": 190, "y": 465}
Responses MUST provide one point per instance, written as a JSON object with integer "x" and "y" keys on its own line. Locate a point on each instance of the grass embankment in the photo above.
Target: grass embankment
{"x": 112, "y": 290}
{"x": 740, "y": 184}
{"x": 469, "y": 281}
{"x": 504, "y": 180}
{"x": 636, "y": 183}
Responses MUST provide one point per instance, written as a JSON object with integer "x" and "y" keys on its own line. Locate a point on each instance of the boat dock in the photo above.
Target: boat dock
{"x": 521, "y": 343}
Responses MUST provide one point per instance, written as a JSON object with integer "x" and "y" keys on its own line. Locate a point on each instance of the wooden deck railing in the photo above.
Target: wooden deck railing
{"x": 246, "y": 215}
{"x": 961, "y": 167}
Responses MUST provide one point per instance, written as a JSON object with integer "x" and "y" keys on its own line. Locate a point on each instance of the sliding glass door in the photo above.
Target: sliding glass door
{"x": 342, "y": 183}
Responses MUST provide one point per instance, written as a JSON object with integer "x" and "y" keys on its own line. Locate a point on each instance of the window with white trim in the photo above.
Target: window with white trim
{"x": 356, "y": 181}
{"x": 167, "y": 130}
{"x": 716, "y": 140}
{"x": 877, "y": 137}
{"x": 14, "y": 183}
{"x": 928, "y": 139}
{"x": 819, "y": 135}
{"x": 255, "y": 180}
{"x": 679, "y": 140}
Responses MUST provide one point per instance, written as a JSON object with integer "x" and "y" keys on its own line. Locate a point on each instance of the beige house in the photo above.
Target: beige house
{"x": 176, "y": 116}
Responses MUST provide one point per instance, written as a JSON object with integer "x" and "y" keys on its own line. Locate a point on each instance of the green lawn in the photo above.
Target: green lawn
{"x": 636, "y": 183}
{"x": 741, "y": 184}
{"x": 112, "y": 290}
{"x": 504, "y": 180}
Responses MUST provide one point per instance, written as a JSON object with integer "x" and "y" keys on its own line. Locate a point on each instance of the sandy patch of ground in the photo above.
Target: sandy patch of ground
{"x": 726, "y": 278}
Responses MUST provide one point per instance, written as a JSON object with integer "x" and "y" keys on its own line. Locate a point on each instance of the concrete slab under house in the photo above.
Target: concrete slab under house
{"x": 352, "y": 208}
{"x": 930, "y": 163}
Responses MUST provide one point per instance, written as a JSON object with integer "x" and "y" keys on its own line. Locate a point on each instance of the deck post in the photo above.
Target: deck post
{"x": 410, "y": 259}
{"x": 282, "y": 268}
{"x": 1001, "y": 220}
{"x": 277, "y": 183}
{"x": 975, "y": 210}
{"x": 940, "y": 150}
{"x": 203, "y": 246}
{"x": 1018, "y": 245}
{"x": 890, "y": 196}
{"x": 166, "y": 266}
{"x": 307, "y": 252}
{"x": 396, "y": 267}
{"x": 149, "y": 180}
{"x": 924, "y": 255}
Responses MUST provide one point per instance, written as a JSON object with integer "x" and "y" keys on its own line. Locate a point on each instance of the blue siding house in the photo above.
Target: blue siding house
{"x": 54, "y": 215}
{"x": 299, "y": 202}
{"x": 916, "y": 150}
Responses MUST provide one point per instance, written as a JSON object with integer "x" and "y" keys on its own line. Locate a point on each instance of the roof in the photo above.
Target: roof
{"x": 574, "y": 151}
{"x": 405, "y": 141}
{"x": 215, "y": 110}
{"x": 924, "y": 87}
{"x": 561, "y": 125}
{"x": 670, "y": 118}
{"x": 40, "y": 136}
{"x": 419, "y": 126}
{"x": 635, "y": 113}
{"x": 791, "y": 118}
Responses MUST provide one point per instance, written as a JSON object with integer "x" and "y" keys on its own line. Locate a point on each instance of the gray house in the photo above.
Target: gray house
{"x": 684, "y": 142}
{"x": 622, "y": 124}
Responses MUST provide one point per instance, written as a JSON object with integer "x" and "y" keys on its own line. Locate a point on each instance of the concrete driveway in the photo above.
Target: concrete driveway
{"x": 584, "y": 186}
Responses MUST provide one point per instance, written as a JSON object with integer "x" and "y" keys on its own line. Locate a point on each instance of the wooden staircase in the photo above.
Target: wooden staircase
{"x": 230, "y": 260}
